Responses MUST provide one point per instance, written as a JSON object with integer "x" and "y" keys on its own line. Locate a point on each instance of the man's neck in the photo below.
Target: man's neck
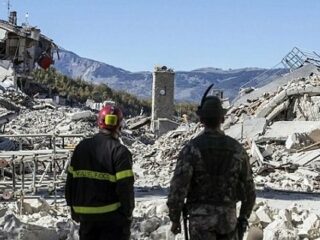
{"x": 114, "y": 134}
{"x": 213, "y": 130}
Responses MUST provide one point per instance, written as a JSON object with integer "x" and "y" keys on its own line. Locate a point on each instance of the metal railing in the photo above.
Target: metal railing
{"x": 29, "y": 172}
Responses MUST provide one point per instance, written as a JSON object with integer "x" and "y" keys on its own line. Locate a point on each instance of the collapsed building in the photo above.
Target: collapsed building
{"x": 21, "y": 47}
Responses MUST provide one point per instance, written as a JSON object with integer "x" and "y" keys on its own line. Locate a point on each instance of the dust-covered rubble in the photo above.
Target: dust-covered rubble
{"x": 40, "y": 221}
{"x": 154, "y": 164}
{"x": 289, "y": 223}
{"x": 279, "y": 130}
{"x": 150, "y": 221}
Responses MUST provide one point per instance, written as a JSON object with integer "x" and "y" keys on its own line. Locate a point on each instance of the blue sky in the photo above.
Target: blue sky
{"x": 182, "y": 34}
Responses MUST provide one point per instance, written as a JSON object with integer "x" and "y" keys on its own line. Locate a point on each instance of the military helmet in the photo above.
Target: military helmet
{"x": 211, "y": 106}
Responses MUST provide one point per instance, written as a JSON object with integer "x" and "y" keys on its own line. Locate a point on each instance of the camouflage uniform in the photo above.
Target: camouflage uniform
{"x": 212, "y": 173}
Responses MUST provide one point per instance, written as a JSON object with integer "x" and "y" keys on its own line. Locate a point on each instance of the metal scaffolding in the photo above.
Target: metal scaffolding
{"x": 29, "y": 172}
{"x": 296, "y": 58}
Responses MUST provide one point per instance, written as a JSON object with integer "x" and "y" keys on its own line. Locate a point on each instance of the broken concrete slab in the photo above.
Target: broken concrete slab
{"x": 304, "y": 158}
{"x": 142, "y": 122}
{"x": 80, "y": 115}
{"x": 280, "y": 108}
{"x": 264, "y": 215}
{"x": 30, "y": 206}
{"x": 265, "y": 109}
{"x": 249, "y": 129}
{"x": 279, "y": 131}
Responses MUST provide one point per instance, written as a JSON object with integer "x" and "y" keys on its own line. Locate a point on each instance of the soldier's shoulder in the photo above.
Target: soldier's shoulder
{"x": 233, "y": 142}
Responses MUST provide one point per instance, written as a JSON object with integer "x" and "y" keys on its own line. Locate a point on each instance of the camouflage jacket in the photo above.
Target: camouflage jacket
{"x": 212, "y": 173}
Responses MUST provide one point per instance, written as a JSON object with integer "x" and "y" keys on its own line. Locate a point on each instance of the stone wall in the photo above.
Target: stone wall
{"x": 162, "y": 93}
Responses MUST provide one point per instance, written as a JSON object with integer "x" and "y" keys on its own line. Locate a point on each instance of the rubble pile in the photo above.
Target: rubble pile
{"x": 281, "y": 132}
{"x": 39, "y": 221}
{"x": 293, "y": 222}
{"x": 15, "y": 100}
{"x": 154, "y": 164}
{"x": 151, "y": 221}
{"x": 61, "y": 120}
{"x": 297, "y": 100}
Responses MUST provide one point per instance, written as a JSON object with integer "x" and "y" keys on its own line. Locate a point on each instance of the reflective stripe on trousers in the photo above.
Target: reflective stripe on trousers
{"x": 96, "y": 210}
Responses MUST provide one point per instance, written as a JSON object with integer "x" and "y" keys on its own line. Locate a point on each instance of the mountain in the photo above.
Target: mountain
{"x": 189, "y": 85}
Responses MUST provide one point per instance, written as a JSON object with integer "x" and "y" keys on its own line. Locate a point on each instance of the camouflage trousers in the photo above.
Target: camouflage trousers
{"x": 199, "y": 229}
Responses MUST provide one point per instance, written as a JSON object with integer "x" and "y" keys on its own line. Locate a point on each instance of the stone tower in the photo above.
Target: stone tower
{"x": 162, "y": 93}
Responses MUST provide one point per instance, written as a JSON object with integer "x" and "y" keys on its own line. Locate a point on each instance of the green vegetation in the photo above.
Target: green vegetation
{"x": 79, "y": 90}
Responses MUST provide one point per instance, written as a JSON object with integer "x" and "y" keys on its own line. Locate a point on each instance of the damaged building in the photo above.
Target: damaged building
{"x": 21, "y": 48}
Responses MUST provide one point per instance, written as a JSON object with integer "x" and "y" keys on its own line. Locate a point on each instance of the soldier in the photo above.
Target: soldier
{"x": 99, "y": 186}
{"x": 212, "y": 174}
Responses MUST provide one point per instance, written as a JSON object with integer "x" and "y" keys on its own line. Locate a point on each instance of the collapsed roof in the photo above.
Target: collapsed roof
{"x": 21, "y": 47}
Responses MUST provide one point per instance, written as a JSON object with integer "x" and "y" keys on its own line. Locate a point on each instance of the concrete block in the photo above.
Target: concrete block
{"x": 162, "y": 209}
{"x": 264, "y": 215}
{"x": 291, "y": 141}
{"x": 150, "y": 225}
{"x": 280, "y": 229}
{"x": 80, "y": 115}
{"x": 285, "y": 215}
{"x": 30, "y": 206}
{"x": 309, "y": 225}
{"x": 268, "y": 151}
{"x": 253, "y": 219}
{"x": 161, "y": 233}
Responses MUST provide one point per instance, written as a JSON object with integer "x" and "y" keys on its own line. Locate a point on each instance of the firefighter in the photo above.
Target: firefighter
{"x": 100, "y": 179}
{"x": 212, "y": 174}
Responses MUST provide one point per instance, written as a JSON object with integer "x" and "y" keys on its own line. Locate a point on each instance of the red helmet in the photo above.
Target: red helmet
{"x": 110, "y": 117}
